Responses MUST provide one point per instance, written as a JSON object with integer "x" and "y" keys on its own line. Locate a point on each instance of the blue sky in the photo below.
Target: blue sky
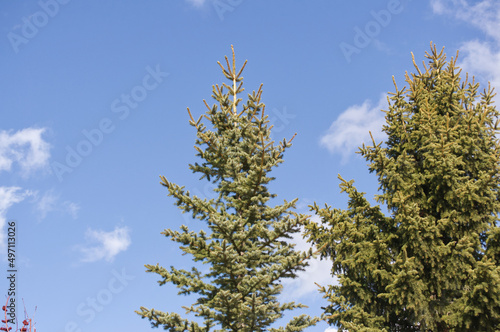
{"x": 93, "y": 99}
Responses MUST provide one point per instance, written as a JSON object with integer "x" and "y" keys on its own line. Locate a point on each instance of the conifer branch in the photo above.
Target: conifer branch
{"x": 414, "y": 64}
{"x": 164, "y": 181}
{"x": 395, "y": 84}
{"x": 235, "y": 112}
{"x": 208, "y": 107}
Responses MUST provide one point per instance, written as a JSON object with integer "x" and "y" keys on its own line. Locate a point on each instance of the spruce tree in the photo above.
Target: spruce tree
{"x": 431, "y": 262}
{"x": 245, "y": 244}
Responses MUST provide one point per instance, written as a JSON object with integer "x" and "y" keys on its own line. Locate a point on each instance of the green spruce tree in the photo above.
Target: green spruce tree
{"x": 431, "y": 263}
{"x": 246, "y": 243}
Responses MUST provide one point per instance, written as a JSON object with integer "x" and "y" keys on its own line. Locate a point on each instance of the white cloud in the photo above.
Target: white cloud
{"x": 46, "y": 204}
{"x": 71, "y": 208}
{"x": 478, "y": 58}
{"x": 8, "y": 197}
{"x": 485, "y": 14}
{"x": 25, "y": 147}
{"x": 331, "y": 329}
{"x": 50, "y": 202}
{"x": 109, "y": 244}
{"x": 318, "y": 272}
{"x": 482, "y": 60}
{"x": 196, "y": 3}
{"x": 352, "y": 128}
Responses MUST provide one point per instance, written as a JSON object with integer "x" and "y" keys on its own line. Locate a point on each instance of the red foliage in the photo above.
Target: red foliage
{"x": 27, "y": 322}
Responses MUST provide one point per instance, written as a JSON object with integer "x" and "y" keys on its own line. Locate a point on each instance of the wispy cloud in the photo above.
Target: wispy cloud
{"x": 8, "y": 197}
{"x": 482, "y": 14}
{"x": 480, "y": 58}
{"x": 50, "y": 202}
{"x": 483, "y": 60}
{"x": 352, "y": 128}
{"x": 104, "y": 245}
{"x": 46, "y": 204}
{"x": 25, "y": 147}
{"x": 71, "y": 208}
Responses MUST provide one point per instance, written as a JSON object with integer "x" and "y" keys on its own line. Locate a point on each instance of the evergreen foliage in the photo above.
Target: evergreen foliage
{"x": 432, "y": 264}
{"x": 245, "y": 245}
